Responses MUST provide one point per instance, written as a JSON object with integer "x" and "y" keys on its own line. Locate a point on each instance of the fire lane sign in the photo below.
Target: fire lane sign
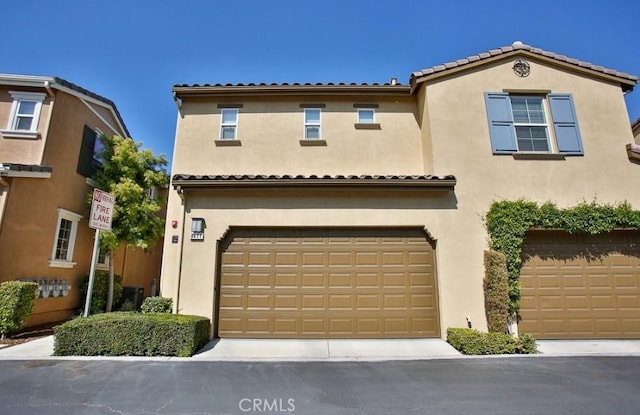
{"x": 101, "y": 210}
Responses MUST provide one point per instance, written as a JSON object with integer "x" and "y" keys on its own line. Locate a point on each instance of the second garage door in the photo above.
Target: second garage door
{"x": 581, "y": 286}
{"x": 328, "y": 283}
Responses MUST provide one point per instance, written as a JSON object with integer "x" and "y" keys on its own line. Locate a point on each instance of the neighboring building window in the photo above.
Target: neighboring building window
{"x": 312, "y": 124}
{"x": 366, "y": 116}
{"x": 90, "y": 158}
{"x": 152, "y": 192}
{"x": 65, "y": 238}
{"x": 522, "y": 124}
{"x": 103, "y": 259}
{"x": 229, "y": 124}
{"x": 25, "y": 114}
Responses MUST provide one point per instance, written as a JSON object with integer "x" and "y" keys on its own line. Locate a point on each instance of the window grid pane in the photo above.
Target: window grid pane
{"x": 312, "y": 132}
{"x": 532, "y": 139}
{"x": 228, "y": 133}
{"x": 366, "y": 116}
{"x": 312, "y": 117}
{"x": 64, "y": 237}
{"x": 26, "y": 107}
{"x": 24, "y": 122}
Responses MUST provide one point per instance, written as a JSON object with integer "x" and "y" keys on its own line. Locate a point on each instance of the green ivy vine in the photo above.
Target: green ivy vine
{"x": 508, "y": 221}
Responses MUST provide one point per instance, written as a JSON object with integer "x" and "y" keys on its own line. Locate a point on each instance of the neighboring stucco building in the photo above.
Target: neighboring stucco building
{"x": 47, "y": 153}
{"x": 356, "y": 211}
{"x": 633, "y": 149}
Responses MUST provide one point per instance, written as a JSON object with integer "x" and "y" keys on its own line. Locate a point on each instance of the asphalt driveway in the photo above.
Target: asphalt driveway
{"x": 511, "y": 385}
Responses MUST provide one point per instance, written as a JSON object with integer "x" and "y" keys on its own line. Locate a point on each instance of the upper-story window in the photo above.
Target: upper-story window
{"x": 25, "y": 115}
{"x": 544, "y": 123}
{"x": 312, "y": 124}
{"x": 228, "y": 124}
{"x": 90, "y": 158}
{"x": 366, "y": 116}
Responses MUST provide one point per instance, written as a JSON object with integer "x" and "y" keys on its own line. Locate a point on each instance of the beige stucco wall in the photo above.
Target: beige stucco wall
{"x": 442, "y": 130}
{"x": 24, "y": 151}
{"x": 460, "y": 135}
{"x": 270, "y": 129}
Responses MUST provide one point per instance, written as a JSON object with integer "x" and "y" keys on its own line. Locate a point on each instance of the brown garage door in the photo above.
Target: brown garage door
{"x": 327, "y": 283}
{"x": 581, "y": 286}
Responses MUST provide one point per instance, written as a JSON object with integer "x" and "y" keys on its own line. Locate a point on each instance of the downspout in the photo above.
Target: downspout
{"x": 45, "y": 129}
{"x": 178, "y": 103}
{"x": 184, "y": 215}
{"x": 4, "y": 196}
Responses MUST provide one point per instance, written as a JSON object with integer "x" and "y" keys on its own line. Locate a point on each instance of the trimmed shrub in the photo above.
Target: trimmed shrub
{"x": 132, "y": 334}
{"x": 157, "y": 305}
{"x": 496, "y": 291}
{"x": 471, "y": 341}
{"x": 17, "y": 299}
{"x": 100, "y": 291}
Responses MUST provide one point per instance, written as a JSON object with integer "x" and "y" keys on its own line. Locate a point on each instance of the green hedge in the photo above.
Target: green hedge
{"x": 157, "y": 305}
{"x": 17, "y": 299}
{"x": 100, "y": 291}
{"x": 496, "y": 291}
{"x": 471, "y": 341}
{"x": 132, "y": 334}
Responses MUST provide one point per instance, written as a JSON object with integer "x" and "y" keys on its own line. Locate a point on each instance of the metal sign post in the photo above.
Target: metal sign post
{"x": 101, "y": 217}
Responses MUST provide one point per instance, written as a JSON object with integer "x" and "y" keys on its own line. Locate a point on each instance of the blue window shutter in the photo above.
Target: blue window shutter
{"x": 565, "y": 124}
{"x": 503, "y": 137}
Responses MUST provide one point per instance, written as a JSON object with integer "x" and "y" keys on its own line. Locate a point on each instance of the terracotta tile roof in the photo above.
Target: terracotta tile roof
{"x": 39, "y": 168}
{"x": 244, "y": 180}
{"x": 516, "y": 46}
{"x": 25, "y": 170}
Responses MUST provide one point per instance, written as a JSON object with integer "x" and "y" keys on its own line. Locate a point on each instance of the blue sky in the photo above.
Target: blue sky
{"x": 133, "y": 52}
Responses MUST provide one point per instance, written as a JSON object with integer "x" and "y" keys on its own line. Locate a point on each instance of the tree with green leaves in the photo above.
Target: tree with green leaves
{"x": 129, "y": 172}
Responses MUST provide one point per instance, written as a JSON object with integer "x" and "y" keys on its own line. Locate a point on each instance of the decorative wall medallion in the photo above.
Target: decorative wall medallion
{"x": 521, "y": 68}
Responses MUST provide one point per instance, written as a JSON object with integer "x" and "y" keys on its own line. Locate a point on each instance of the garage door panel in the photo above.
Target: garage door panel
{"x": 581, "y": 286}
{"x": 323, "y": 283}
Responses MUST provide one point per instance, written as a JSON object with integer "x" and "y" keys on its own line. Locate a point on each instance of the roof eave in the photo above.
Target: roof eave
{"x": 283, "y": 90}
{"x": 447, "y": 184}
{"x": 627, "y": 84}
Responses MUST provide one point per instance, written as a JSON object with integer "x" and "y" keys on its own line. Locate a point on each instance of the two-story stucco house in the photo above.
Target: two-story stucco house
{"x": 356, "y": 211}
{"x": 48, "y": 153}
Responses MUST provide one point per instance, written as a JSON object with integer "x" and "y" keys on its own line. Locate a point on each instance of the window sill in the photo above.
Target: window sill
{"x": 61, "y": 264}
{"x": 102, "y": 267}
{"x": 367, "y": 126}
{"x": 313, "y": 142}
{"x": 25, "y": 135}
{"x": 539, "y": 156}
{"x": 227, "y": 143}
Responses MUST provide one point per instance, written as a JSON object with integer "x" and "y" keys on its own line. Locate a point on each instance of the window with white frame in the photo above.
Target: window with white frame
{"x": 525, "y": 123}
{"x": 530, "y": 123}
{"x": 65, "y": 238}
{"x": 312, "y": 124}
{"x": 366, "y": 116}
{"x": 25, "y": 113}
{"x": 228, "y": 124}
{"x": 103, "y": 259}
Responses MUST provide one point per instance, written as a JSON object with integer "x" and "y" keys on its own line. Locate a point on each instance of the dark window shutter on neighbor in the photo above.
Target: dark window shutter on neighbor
{"x": 565, "y": 124}
{"x": 503, "y": 138}
{"x": 85, "y": 160}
